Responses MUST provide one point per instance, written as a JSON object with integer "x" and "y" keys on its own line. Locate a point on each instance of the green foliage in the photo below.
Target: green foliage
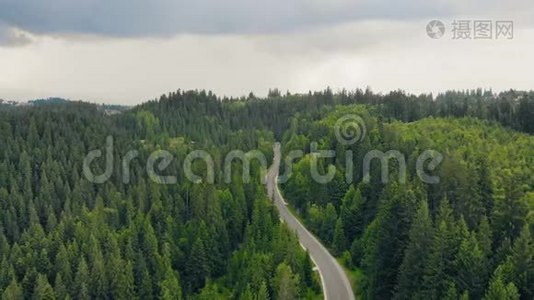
{"x": 285, "y": 283}
{"x": 411, "y": 272}
{"x": 475, "y": 214}
{"x": 66, "y": 238}
{"x": 499, "y": 290}
{"x": 12, "y": 291}
{"x": 339, "y": 244}
{"x": 43, "y": 290}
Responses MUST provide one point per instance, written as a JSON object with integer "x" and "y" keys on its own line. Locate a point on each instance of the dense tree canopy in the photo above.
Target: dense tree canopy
{"x": 62, "y": 236}
{"x": 417, "y": 240}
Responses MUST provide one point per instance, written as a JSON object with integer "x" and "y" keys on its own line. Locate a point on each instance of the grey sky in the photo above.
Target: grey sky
{"x": 131, "y": 51}
{"x": 134, "y": 18}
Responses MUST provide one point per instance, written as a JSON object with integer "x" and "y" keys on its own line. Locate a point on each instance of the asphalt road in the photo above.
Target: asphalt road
{"x": 333, "y": 279}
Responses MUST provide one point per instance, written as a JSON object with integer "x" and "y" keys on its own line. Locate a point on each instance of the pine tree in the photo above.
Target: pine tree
{"x": 522, "y": 260}
{"x": 60, "y": 288}
{"x": 285, "y": 283}
{"x": 121, "y": 279}
{"x": 339, "y": 243}
{"x": 450, "y": 293}
{"x": 246, "y": 294}
{"x": 440, "y": 261}
{"x": 80, "y": 288}
{"x": 43, "y": 289}
{"x": 307, "y": 272}
{"x": 351, "y": 214}
{"x": 484, "y": 237}
{"x": 328, "y": 226}
{"x": 145, "y": 288}
{"x": 197, "y": 266}
{"x": 98, "y": 284}
{"x": 6, "y": 272}
{"x": 12, "y": 291}
{"x": 384, "y": 240}
{"x": 471, "y": 266}
{"x": 28, "y": 282}
{"x": 263, "y": 292}
{"x": 499, "y": 290}
{"x": 510, "y": 210}
{"x": 62, "y": 265}
{"x": 411, "y": 273}
{"x": 170, "y": 287}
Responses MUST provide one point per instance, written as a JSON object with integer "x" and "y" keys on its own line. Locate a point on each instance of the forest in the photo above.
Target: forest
{"x": 468, "y": 237}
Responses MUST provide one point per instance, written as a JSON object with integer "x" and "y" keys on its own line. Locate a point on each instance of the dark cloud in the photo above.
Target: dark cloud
{"x": 134, "y": 18}
{"x": 12, "y": 37}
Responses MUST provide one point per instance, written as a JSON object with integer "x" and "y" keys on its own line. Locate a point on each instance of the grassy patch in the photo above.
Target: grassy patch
{"x": 355, "y": 276}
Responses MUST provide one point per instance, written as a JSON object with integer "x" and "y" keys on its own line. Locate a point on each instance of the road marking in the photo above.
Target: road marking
{"x": 276, "y": 193}
{"x": 323, "y": 284}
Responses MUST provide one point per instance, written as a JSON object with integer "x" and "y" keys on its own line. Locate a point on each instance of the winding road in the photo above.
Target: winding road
{"x": 334, "y": 281}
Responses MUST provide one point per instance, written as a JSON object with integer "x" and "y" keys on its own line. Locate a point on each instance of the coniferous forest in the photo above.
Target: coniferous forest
{"x": 469, "y": 236}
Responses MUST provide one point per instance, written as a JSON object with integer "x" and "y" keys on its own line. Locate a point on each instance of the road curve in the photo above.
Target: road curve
{"x": 334, "y": 281}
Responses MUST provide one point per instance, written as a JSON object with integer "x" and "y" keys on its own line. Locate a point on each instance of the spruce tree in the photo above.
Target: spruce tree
{"x": 285, "y": 283}
{"x": 500, "y": 290}
{"x": 43, "y": 289}
{"x": 339, "y": 243}
{"x": 411, "y": 273}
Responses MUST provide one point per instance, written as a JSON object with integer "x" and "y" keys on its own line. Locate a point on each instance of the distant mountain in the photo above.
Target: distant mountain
{"x": 109, "y": 109}
{"x": 7, "y": 102}
{"x": 48, "y": 101}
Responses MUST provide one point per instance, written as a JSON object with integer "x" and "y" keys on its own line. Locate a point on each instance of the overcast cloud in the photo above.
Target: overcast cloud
{"x": 132, "y": 18}
{"x": 130, "y": 51}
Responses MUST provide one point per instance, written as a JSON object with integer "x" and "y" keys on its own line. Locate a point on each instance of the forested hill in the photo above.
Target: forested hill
{"x": 469, "y": 235}
{"x": 207, "y": 114}
{"x": 62, "y": 236}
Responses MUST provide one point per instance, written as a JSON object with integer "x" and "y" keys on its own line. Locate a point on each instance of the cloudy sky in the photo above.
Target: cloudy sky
{"x": 130, "y": 51}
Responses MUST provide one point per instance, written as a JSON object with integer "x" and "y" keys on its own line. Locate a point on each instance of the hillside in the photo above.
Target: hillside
{"x": 469, "y": 233}
{"x": 201, "y": 230}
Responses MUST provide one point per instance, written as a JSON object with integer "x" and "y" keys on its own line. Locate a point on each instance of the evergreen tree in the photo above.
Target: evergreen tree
{"x": 440, "y": 261}
{"x": 144, "y": 240}
{"x": 285, "y": 283}
{"x": 60, "y": 288}
{"x": 43, "y": 289}
{"x": 12, "y": 291}
{"x": 471, "y": 266}
{"x": 81, "y": 281}
{"x": 328, "y": 225}
{"x": 197, "y": 266}
{"x": 522, "y": 260}
{"x": 484, "y": 237}
{"x": 262, "y": 293}
{"x": 339, "y": 244}
{"x": 499, "y": 290}
{"x": 450, "y": 293}
{"x": 411, "y": 274}
{"x": 170, "y": 287}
